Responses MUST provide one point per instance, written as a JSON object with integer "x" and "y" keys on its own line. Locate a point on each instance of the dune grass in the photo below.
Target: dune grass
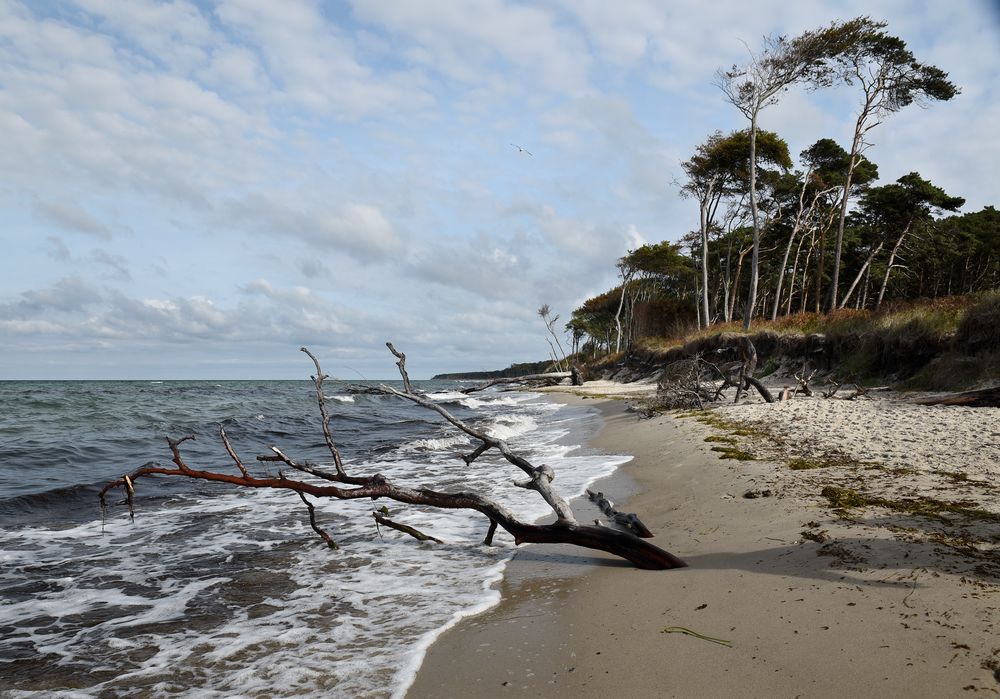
{"x": 932, "y": 344}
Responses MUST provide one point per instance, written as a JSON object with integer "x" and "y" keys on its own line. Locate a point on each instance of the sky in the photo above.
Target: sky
{"x": 197, "y": 189}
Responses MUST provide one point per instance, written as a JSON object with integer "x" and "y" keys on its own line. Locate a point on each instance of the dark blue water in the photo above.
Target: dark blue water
{"x": 60, "y": 441}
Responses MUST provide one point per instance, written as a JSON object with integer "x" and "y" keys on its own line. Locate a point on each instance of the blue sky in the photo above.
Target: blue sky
{"x": 196, "y": 189}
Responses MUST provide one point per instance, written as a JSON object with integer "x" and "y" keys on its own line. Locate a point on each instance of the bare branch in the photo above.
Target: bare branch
{"x": 628, "y": 520}
{"x": 231, "y": 452}
{"x": 550, "y": 378}
{"x": 338, "y": 486}
{"x": 479, "y": 451}
{"x": 325, "y": 417}
{"x": 563, "y": 511}
{"x": 316, "y": 528}
{"x": 402, "y": 367}
{"x": 405, "y": 528}
{"x": 488, "y": 541}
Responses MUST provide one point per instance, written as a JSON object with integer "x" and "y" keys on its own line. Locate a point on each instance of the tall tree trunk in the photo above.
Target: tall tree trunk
{"x": 618, "y": 316}
{"x": 781, "y": 271}
{"x": 727, "y": 288}
{"x": 795, "y": 267}
{"x": 859, "y": 130}
{"x": 736, "y": 282}
{"x": 861, "y": 273}
{"x": 863, "y": 301}
{"x": 888, "y": 268}
{"x": 820, "y": 259}
{"x": 755, "y": 260}
{"x": 791, "y": 239}
{"x": 705, "y": 203}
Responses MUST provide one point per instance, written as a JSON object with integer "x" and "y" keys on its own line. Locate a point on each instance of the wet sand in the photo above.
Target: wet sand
{"x": 863, "y": 613}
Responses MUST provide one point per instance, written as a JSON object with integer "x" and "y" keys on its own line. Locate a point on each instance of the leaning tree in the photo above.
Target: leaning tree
{"x": 318, "y": 481}
{"x": 890, "y": 78}
{"x": 752, "y": 87}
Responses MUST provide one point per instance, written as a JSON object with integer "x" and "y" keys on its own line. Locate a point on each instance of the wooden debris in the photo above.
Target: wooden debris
{"x": 630, "y": 521}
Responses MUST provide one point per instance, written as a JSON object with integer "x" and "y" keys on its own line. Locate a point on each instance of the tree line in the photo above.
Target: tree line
{"x": 778, "y": 236}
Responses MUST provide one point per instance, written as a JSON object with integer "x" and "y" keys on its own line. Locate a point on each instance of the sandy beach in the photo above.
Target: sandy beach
{"x": 815, "y": 600}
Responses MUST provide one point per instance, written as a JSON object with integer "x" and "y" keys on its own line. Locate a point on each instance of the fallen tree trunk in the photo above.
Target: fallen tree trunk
{"x": 338, "y": 484}
{"x": 745, "y": 379}
{"x": 984, "y": 398}
{"x": 550, "y": 378}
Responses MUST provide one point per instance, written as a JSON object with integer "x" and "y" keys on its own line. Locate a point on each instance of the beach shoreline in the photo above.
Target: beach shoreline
{"x": 859, "y": 613}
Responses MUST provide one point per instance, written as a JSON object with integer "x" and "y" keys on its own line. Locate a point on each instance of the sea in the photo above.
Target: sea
{"x": 219, "y": 591}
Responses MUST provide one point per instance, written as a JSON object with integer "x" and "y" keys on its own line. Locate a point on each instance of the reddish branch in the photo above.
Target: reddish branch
{"x": 341, "y": 486}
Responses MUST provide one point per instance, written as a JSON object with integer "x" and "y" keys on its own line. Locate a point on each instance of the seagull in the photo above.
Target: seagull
{"x": 521, "y": 150}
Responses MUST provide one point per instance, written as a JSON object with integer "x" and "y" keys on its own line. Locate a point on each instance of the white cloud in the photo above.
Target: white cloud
{"x": 358, "y": 230}
{"x": 236, "y": 160}
{"x": 68, "y": 216}
{"x": 313, "y": 62}
{"x": 465, "y": 41}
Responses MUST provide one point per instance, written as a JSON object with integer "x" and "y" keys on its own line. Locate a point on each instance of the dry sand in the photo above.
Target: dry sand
{"x": 883, "y": 605}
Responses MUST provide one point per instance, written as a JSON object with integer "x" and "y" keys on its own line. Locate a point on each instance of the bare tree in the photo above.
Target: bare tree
{"x": 320, "y": 482}
{"x": 757, "y": 84}
{"x": 803, "y": 221}
{"x": 890, "y": 79}
{"x": 550, "y": 323}
{"x": 626, "y": 272}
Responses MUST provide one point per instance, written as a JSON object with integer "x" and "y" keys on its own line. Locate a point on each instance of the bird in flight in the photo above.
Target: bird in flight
{"x": 521, "y": 150}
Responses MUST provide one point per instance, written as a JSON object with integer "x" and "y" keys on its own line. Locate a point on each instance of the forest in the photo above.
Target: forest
{"x": 774, "y": 235}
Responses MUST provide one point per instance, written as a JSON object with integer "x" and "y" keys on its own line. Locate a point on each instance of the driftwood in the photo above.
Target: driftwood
{"x": 761, "y": 388}
{"x": 984, "y": 398}
{"x": 804, "y": 380}
{"x": 681, "y": 383}
{"x": 550, "y": 378}
{"x": 748, "y": 360}
{"x": 729, "y": 373}
{"x": 380, "y": 518}
{"x": 629, "y": 520}
{"x": 740, "y": 374}
{"x": 341, "y": 485}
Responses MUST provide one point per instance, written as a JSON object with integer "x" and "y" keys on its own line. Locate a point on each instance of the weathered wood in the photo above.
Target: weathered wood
{"x": 626, "y": 519}
{"x": 380, "y": 518}
{"x": 339, "y": 485}
{"x": 402, "y": 367}
{"x": 983, "y": 398}
{"x": 552, "y": 377}
{"x": 761, "y": 389}
{"x": 748, "y": 359}
{"x": 804, "y": 380}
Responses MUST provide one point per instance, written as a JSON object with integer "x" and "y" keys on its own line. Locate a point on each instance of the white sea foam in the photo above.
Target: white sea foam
{"x": 439, "y": 444}
{"x": 234, "y": 588}
{"x": 508, "y": 426}
{"x": 446, "y": 396}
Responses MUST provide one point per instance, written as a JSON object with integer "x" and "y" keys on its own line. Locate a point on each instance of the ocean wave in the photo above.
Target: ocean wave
{"x": 508, "y": 426}
{"x": 229, "y": 591}
{"x": 435, "y": 444}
